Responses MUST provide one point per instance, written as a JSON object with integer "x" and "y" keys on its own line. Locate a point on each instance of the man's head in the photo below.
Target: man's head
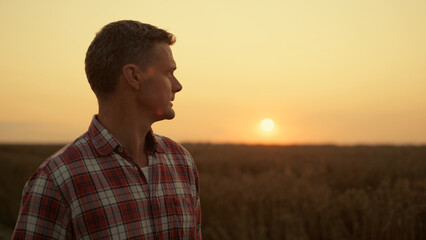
{"x": 117, "y": 44}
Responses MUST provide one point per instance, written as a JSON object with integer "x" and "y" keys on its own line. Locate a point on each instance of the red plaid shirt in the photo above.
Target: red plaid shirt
{"x": 92, "y": 189}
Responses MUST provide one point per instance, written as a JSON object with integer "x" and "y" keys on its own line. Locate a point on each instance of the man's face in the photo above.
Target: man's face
{"x": 160, "y": 85}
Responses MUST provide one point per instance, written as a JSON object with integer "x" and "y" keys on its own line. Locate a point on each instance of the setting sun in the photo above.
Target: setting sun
{"x": 267, "y": 125}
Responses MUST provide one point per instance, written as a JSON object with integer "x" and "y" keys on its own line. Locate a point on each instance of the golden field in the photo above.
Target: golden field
{"x": 281, "y": 192}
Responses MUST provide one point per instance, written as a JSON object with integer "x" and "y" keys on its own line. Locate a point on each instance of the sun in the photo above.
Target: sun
{"x": 267, "y": 125}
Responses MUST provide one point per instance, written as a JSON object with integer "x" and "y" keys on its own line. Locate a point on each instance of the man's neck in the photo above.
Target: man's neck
{"x": 129, "y": 129}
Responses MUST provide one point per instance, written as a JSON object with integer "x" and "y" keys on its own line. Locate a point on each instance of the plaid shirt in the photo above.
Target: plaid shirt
{"x": 92, "y": 189}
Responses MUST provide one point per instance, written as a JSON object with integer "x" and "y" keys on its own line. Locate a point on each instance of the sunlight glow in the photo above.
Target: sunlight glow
{"x": 267, "y": 125}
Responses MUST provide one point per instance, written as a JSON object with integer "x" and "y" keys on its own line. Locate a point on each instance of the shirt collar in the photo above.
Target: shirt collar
{"x": 152, "y": 142}
{"x": 105, "y": 143}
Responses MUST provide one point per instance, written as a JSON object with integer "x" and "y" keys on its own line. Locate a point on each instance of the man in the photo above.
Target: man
{"x": 119, "y": 180}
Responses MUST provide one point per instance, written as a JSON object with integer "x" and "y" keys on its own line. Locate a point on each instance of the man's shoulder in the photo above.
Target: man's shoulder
{"x": 167, "y": 145}
{"x": 177, "y": 156}
{"x": 78, "y": 149}
{"x": 59, "y": 168}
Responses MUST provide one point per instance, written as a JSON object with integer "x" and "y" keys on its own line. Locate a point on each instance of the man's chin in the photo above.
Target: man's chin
{"x": 168, "y": 115}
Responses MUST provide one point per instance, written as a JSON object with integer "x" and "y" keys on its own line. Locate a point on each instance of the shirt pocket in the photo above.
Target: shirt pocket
{"x": 182, "y": 210}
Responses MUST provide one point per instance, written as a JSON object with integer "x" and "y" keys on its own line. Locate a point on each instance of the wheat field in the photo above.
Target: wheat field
{"x": 281, "y": 192}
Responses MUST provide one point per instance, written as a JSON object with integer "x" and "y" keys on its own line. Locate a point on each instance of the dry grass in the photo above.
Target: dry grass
{"x": 292, "y": 192}
{"x": 308, "y": 192}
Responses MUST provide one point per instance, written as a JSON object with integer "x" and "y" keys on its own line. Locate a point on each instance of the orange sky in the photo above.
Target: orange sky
{"x": 331, "y": 71}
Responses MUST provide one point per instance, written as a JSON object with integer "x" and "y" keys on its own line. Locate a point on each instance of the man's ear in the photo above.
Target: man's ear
{"x": 132, "y": 75}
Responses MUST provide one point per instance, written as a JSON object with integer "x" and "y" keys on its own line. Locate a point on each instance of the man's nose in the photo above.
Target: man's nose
{"x": 177, "y": 87}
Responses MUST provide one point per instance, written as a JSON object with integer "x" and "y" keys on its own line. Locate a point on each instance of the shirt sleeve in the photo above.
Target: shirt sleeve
{"x": 43, "y": 213}
{"x": 198, "y": 206}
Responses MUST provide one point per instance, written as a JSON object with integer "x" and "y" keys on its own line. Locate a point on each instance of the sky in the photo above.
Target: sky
{"x": 326, "y": 72}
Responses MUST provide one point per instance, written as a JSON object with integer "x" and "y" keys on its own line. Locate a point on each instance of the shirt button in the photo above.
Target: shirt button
{"x": 120, "y": 149}
{"x": 136, "y": 168}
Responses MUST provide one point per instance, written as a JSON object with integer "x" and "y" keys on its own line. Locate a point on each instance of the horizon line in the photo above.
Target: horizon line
{"x": 45, "y": 143}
